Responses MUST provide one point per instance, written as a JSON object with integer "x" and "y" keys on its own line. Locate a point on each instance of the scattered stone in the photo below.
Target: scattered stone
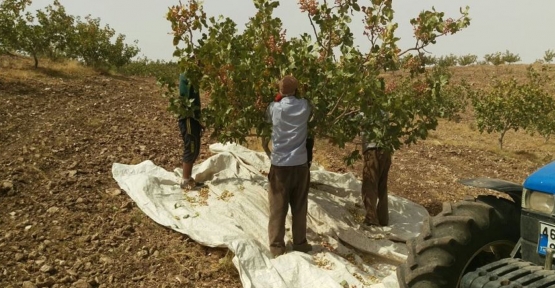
{"x": 181, "y": 279}
{"x": 46, "y": 283}
{"x": 155, "y": 254}
{"x": 47, "y": 269}
{"x": 138, "y": 278}
{"x": 127, "y": 230}
{"x": 60, "y": 262}
{"x": 6, "y": 186}
{"x": 143, "y": 253}
{"x": 87, "y": 266}
{"x": 93, "y": 282}
{"x": 113, "y": 191}
{"x": 53, "y": 210}
{"x": 72, "y": 272}
{"x": 67, "y": 279}
{"x": 29, "y": 284}
{"x": 81, "y": 284}
{"x": 126, "y": 205}
{"x": 19, "y": 257}
{"x": 106, "y": 260}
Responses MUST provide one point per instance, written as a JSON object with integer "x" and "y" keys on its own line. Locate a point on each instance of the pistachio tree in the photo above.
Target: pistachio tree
{"x": 510, "y": 104}
{"x": 347, "y": 85}
{"x": 542, "y": 109}
{"x": 12, "y": 12}
{"x": 548, "y": 56}
{"x": 467, "y": 60}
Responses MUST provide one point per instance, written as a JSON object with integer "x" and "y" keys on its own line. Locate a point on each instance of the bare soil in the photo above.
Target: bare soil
{"x": 64, "y": 222}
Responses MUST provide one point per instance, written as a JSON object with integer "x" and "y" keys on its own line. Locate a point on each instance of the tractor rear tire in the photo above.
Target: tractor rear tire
{"x": 464, "y": 236}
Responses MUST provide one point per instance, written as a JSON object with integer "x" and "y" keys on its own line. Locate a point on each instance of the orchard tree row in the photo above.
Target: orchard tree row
{"x": 52, "y": 33}
{"x": 239, "y": 70}
{"x": 142, "y": 66}
{"x": 469, "y": 59}
{"x": 497, "y": 58}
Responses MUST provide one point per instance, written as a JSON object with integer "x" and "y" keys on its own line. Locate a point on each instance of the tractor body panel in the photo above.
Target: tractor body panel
{"x": 542, "y": 180}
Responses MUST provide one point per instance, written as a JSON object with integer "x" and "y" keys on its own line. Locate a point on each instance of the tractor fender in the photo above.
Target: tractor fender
{"x": 512, "y": 189}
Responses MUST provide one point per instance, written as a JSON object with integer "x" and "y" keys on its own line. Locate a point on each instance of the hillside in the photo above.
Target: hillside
{"x": 64, "y": 221}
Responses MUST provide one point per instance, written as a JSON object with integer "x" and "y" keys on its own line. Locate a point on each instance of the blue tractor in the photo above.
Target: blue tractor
{"x": 488, "y": 241}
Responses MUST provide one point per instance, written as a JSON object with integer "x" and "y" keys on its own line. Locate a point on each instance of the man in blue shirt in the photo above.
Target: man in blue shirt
{"x": 289, "y": 174}
{"x": 190, "y": 129}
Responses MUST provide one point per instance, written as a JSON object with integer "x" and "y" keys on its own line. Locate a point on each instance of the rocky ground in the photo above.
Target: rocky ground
{"x": 65, "y": 223}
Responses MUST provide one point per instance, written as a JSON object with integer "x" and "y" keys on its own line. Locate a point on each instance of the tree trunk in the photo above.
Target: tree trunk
{"x": 36, "y": 61}
{"x": 501, "y": 139}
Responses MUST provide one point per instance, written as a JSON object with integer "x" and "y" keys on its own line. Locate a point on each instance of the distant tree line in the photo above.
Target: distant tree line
{"x": 496, "y": 59}
{"x": 53, "y": 34}
{"x": 166, "y": 70}
{"x": 450, "y": 60}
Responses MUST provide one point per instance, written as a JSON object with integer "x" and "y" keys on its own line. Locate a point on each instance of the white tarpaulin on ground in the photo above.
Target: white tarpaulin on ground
{"x": 232, "y": 211}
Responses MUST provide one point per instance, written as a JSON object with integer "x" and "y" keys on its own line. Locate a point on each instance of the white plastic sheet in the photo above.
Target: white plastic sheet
{"x": 232, "y": 211}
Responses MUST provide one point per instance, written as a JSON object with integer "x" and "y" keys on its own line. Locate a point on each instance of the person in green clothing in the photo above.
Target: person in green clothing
{"x": 191, "y": 131}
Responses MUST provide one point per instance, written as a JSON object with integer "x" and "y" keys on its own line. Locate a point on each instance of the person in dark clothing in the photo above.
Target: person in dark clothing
{"x": 377, "y": 162}
{"x": 191, "y": 130}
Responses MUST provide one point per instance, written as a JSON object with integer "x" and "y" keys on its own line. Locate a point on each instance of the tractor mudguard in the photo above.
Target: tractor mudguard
{"x": 512, "y": 189}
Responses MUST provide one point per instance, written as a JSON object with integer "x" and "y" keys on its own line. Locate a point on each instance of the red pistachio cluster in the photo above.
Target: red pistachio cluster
{"x": 310, "y": 6}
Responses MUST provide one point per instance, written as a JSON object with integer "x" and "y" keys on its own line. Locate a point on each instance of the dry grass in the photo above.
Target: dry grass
{"x": 226, "y": 263}
{"x": 519, "y": 144}
{"x": 21, "y": 68}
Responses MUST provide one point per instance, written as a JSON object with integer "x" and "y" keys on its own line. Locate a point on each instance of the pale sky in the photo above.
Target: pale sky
{"x": 526, "y": 28}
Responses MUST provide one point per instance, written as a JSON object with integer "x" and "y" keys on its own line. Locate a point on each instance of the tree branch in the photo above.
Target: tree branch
{"x": 315, "y": 32}
{"x": 344, "y": 114}
{"x": 336, "y": 105}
